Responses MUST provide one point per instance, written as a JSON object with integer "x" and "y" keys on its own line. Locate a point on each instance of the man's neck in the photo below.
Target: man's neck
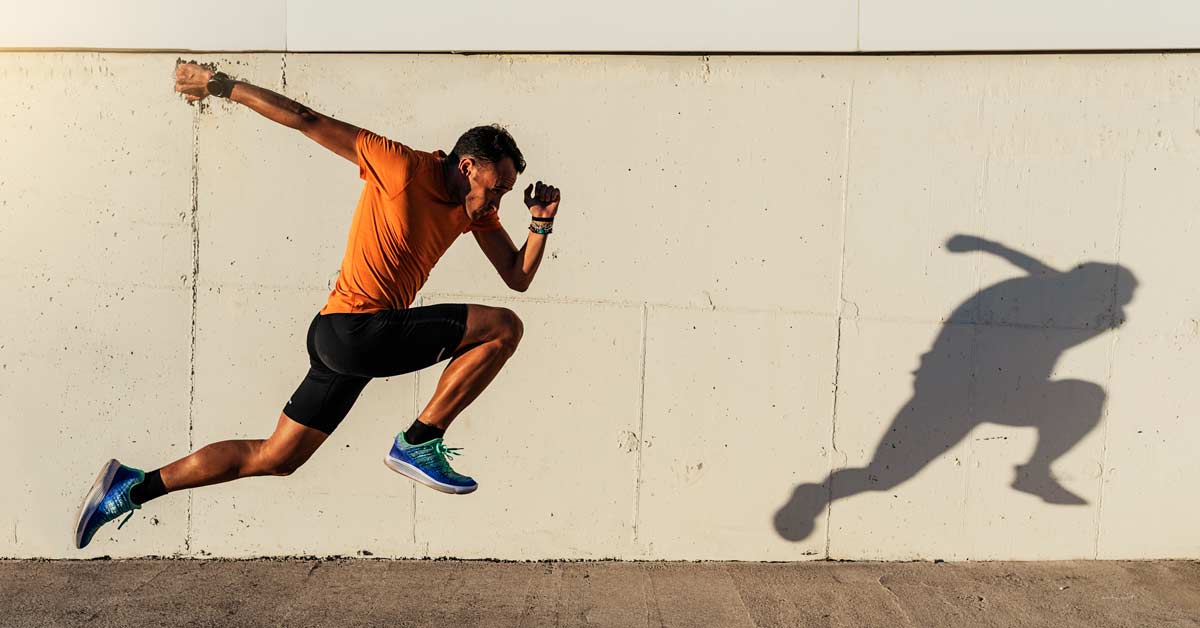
{"x": 450, "y": 177}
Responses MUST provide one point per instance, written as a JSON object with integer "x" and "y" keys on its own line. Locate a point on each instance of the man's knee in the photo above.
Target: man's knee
{"x": 286, "y": 466}
{"x": 279, "y": 463}
{"x": 510, "y": 329}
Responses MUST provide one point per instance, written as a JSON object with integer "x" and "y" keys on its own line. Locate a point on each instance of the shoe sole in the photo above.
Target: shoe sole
{"x": 416, "y": 475}
{"x": 94, "y": 497}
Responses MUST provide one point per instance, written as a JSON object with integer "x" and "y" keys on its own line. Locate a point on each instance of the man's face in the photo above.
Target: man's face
{"x": 488, "y": 182}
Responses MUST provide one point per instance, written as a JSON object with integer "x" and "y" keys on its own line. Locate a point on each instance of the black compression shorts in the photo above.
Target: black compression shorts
{"x": 345, "y": 351}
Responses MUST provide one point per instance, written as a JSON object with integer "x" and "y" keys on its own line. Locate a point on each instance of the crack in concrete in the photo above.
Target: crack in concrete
{"x": 658, "y": 615}
{"x": 837, "y": 356}
{"x": 97, "y": 613}
{"x": 148, "y": 580}
{"x": 641, "y": 434}
{"x": 741, "y": 600}
{"x": 896, "y": 600}
{"x": 195, "y": 227}
{"x": 1112, "y": 357}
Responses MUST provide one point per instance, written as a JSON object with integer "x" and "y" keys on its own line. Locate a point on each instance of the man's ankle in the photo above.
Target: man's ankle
{"x": 420, "y": 433}
{"x": 149, "y": 488}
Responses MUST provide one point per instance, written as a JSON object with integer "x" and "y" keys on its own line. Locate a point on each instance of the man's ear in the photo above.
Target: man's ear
{"x": 465, "y": 165}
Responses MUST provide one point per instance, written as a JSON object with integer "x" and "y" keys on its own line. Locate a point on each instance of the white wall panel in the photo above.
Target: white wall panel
{"x": 550, "y": 25}
{"x": 888, "y": 25}
{"x": 619, "y": 25}
{"x": 144, "y": 25}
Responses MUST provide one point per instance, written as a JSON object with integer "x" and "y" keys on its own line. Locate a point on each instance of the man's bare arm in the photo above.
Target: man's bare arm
{"x": 517, "y": 267}
{"x": 192, "y": 81}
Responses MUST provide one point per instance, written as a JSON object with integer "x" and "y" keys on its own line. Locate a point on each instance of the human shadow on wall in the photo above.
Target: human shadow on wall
{"x": 991, "y": 362}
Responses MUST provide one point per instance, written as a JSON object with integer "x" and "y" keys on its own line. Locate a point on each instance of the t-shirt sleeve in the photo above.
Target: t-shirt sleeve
{"x": 490, "y": 222}
{"x": 386, "y": 163}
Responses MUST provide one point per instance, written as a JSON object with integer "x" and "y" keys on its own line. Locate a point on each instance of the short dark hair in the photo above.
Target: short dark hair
{"x": 489, "y": 143}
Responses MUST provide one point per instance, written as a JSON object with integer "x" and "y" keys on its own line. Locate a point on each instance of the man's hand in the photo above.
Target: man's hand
{"x": 542, "y": 200}
{"x": 191, "y": 80}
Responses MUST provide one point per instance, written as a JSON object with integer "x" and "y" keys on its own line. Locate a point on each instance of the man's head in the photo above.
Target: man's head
{"x": 486, "y": 162}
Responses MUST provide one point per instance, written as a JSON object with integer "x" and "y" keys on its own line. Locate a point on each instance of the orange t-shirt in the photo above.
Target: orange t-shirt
{"x": 404, "y": 222}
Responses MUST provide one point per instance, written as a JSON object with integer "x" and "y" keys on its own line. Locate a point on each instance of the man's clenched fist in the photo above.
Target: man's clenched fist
{"x": 542, "y": 200}
{"x": 191, "y": 80}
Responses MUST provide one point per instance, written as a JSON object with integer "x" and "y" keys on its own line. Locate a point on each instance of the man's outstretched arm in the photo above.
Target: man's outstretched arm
{"x": 191, "y": 80}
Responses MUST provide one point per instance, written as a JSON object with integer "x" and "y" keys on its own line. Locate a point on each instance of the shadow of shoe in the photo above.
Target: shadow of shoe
{"x": 1044, "y": 486}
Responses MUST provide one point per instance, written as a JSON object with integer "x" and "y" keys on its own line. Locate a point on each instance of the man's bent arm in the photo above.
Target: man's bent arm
{"x": 516, "y": 267}
{"x": 528, "y": 260}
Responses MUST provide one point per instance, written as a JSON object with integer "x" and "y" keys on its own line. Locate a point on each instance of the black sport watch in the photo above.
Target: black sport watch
{"x": 220, "y": 85}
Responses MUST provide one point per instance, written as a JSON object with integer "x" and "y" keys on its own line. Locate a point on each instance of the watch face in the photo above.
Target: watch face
{"x": 218, "y": 85}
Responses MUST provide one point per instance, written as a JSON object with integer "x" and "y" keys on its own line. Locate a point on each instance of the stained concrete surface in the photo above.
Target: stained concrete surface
{"x": 753, "y": 275}
{"x": 619, "y": 594}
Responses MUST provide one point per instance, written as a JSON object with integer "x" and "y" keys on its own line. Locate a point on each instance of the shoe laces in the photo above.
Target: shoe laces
{"x": 446, "y": 452}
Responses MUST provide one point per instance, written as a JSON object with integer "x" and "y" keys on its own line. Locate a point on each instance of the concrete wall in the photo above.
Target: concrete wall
{"x": 614, "y": 26}
{"x": 749, "y": 298}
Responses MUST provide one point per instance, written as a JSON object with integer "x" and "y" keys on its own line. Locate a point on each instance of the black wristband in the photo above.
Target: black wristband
{"x": 550, "y": 219}
{"x": 220, "y": 85}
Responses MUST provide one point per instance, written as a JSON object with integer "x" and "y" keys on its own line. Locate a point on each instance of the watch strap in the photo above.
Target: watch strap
{"x": 222, "y": 84}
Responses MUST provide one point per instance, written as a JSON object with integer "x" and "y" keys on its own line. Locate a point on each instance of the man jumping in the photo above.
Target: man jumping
{"x": 412, "y": 208}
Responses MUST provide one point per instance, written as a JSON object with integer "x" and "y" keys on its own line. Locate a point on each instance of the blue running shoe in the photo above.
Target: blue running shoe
{"x": 108, "y": 499}
{"x": 428, "y": 463}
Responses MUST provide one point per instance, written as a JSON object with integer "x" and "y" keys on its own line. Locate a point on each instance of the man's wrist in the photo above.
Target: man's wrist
{"x": 542, "y": 226}
{"x": 220, "y": 85}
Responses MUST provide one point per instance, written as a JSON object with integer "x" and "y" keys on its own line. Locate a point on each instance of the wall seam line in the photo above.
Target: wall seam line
{"x": 980, "y": 220}
{"x": 858, "y": 315}
{"x": 837, "y": 355}
{"x": 195, "y": 228}
{"x": 604, "y": 302}
{"x": 412, "y": 486}
{"x": 641, "y": 436}
{"x": 858, "y": 26}
{"x": 791, "y": 52}
{"x": 1112, "y": 357}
